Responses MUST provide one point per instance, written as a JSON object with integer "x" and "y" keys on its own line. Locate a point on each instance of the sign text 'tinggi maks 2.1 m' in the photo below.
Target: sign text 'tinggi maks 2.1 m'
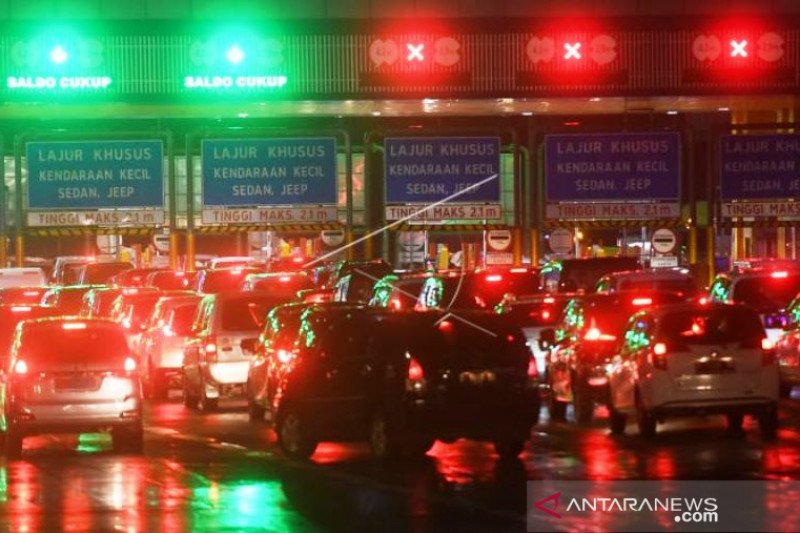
{"x": 613, "y": 176}
{"x": 760, "y": 176}
{"x": 95, "y": 183}
{"x": 269, "y": 181}
{"x": 463, "y": 171}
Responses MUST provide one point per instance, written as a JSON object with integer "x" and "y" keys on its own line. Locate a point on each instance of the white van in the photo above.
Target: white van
{"x": 22, "y": 277}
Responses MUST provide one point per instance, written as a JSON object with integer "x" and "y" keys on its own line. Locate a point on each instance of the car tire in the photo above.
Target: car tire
{"x": 292, "y": 436}
{"x": 509, "y": 447}
{"x": 734, "y": 423}
{"x": 127, "y": 440}
{"x": 255, "y": 412}
{"x": 556, "y": 409}
{"x": 583, "y": 405}
{"x": 12, "y": 446}
{"x": 768, "y": 422}
{"x": 384, "y": 438}
{"x": 617, "y": 421}
{"x": 645, "y": 420}
{"x": 189, "y": 400}
{"x": 208, "y": 405}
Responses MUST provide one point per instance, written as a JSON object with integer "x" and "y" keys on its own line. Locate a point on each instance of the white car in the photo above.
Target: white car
{"x": 694, "y": 359}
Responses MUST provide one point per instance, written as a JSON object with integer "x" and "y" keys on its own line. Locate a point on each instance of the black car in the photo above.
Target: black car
{"x": 479, "y": 289}
{"x": 582, "y": 346}
{"x": 403, "y": 379}
{"x": 570, "y": 275}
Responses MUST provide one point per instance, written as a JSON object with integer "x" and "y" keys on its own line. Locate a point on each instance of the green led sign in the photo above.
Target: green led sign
{"x": 61, "y": 82}
{"x": 229, "y": 82}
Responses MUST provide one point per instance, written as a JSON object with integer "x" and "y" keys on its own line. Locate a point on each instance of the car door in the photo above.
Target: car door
{"x": 622, "y": 377}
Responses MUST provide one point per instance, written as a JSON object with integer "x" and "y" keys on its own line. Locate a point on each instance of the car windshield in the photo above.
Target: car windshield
{"x": 59, "y": 345}
{"x": 247, "y": 313}
{"x": 102, "y": 272}
{"x": 224, "y": 280}
{"x": 683, "y": 287}
{"x": 71, "y": 273}
{"x": 168, "y": 280}
{"x": 767, "y": 293}
{"x": 711, "y": 326}
{"x": 583, "y": 274}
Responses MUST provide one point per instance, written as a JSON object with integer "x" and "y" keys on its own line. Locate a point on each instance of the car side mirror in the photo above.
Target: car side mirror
{"x": 547, "y": 338}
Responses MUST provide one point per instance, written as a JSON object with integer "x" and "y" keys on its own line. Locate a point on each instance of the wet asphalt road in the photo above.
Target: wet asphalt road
{"x": 220, "y": 472}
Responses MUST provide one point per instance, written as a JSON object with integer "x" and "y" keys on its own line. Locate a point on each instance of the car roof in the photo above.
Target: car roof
{"x": 651, "y": 273}
{"x": 689, "y": 307}
{"x": 760, "y": 271}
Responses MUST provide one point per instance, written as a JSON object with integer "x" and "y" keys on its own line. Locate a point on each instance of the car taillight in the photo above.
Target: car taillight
{"x": 642, "y": 301}
{"x": 594, "y": 334}
{"x": 285, "y": 356}
{"x": 494, "y": 278}
{"x": 415, "y": 371}
{"x": 20, "y": 367}
{"x": 768, "y": 355}
{"x": 284, "y": 279}
{"x": 445, "y": 325}
{"x": 130, "y": 364}
{"x": 533, "y": 371}
{"x": 210, "y": 349}
{"x": 546, "y": 314}
{"x": 659, "y": 358}
{"x": 780, "y": 274}
{"x": 167, "y": 331}
{"x": 396, "y": 304}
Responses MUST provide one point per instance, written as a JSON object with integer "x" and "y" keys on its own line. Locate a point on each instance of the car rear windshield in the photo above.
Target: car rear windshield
{"x": 102, "y": 272}
{"x": 70, "y": 301}
{"x": 767, "y": 293}
{"x": 584, "y": 274}
{"x": 711, "y": 326}
{"x": 61, "y": 345}
{"x": 682, "y": 287}
{"x": 247, "y": 313}
{"x": 182, "y": 318}
{"x": 286, "y": 285}
{"x": 170, "y": 280}
{"x": 143, "y": 307}
{"x": 216, "y": 281}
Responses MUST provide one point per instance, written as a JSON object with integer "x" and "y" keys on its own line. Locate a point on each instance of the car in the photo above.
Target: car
{"x": 68, "y": 374}
{"x": 677, "y": 280}
{"x": 160, "y": 348}
{"x": 287, "y": 284}
{"x": 288, "y": 264}
{"x": 66, "y": 300}
{"x": 398, "y": 291}
{"x": 272, "y": 351}
{"x": 581, "y": 346}
{"x": 131, "y": 309}
{"x": 693, "y": 359}
{"x": 534, "y": 313}
{"x": 22, "y": 295}
{"x": 571, "y": 275}
{"x": 215, "y": 362}
{"x": 170, "y": 279}
{"x": 17, "y": 277}
{"x": 10, "y": 316}
{"x": 479, "y": 289}
{"x": 67, "y": 269}
{"x": 222, "y": 279}
{"x": 235, "y": 262}
{"x": 100, "y": 272}
{"x": 99, "y": 302}
{"x": 787, "y": 348}
{"x": 767, "y": 290}
{"x": 402, "y": 380}
{"x": 134, "y": 277}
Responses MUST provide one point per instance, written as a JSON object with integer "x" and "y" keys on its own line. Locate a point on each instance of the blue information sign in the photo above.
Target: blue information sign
{"x": 612, "y": 167}
{"x": 760, "y": 166}
{"x": 429, "y": 169}
{"x": 70, "y": 175}
{"x": 269, "y": 172}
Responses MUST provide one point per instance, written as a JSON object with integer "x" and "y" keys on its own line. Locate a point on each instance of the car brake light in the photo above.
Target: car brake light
{"x": 549, "y": 300}
{"x": 642, "y": 301}
{"x": 445, "y": 325}
{"x": 30, "y": 293}
{"x": 594, "y": 334}
{"x": 285, "y": 278}
{"x": 658, "y": 356}
{"x": 533, "y": 372}
{"x": 167, "y": 331}
{"x": 780, "y": 274}
{"x": 130, "y": 364}
{"x": 297, "y": 260}
{"x": 494, "y": 278}
{"x": 210, "y": 347}
{"x": 21, "y": 309}
{"x": 768, "y": 355}
{"x": 126, "y": 323}
{"x": 518, "y": 270}
{"x": 660, "y": 348}
{"x": 546, "y": 315}
{"x": 74, "y": 325}
{"x": 703, "y": 301}
{"x": 415, "y": 372}
{"x": 20, "y": 367}
{"x": 130, "y": 291}
{"x": 395, "y": 304}
{"x": 285, "y": 356}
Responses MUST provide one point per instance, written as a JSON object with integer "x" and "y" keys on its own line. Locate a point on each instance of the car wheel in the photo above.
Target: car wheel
{"x": 207, "y": 404}
{"x": 645, "y": 420}
{"x": 768, "y": 422}
{"x": 583, "y": 404}
{"x": 509, "y": 447}
{"x": 384, "y": 440}
{"x": 735, "y": 421}
{"x": 617, "y": 420}
{"x": 127, "y": 440}
{"x": 557, "y": 409}
{"x": 292, "y": 436}
{"x": 255, "y": 412}
{"x": 13, "y": 443}
{"x": 189, "y": 400}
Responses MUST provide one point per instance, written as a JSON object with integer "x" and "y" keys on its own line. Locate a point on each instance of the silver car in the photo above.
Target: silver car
{"x": 70, "y": 374}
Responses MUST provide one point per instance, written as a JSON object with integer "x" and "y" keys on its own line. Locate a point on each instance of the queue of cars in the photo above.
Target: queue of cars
{"x": 354, "y": 351}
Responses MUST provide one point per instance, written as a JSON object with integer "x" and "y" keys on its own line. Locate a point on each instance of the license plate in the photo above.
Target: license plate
{"x": 714, "y": 367}
{"x": 76, "y": 383}
{"x": 477, "y": 378}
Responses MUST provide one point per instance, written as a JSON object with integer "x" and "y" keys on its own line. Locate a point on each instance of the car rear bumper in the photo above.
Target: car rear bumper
{"x": 39, "y": 418}
{"x": 745, "y": 405}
